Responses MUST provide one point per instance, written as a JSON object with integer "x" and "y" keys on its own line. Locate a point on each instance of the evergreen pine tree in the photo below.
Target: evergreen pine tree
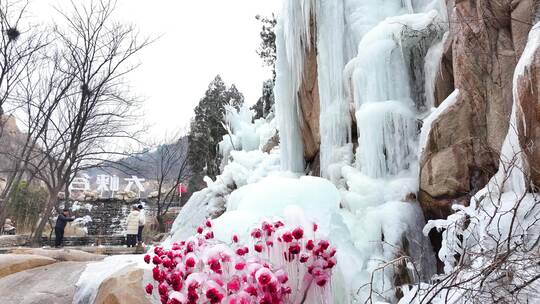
{"x": 267, "y": 52}
{"x": 207, "y": 130}
{"x": 234, "y": 97}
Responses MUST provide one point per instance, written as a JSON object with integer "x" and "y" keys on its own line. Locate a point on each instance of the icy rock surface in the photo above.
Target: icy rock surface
{"x": 489, "y": 247}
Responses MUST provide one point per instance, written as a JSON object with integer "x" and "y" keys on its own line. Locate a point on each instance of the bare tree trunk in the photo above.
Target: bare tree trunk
{"x": 46, "y": 214}
{"x": 161, "y": 223}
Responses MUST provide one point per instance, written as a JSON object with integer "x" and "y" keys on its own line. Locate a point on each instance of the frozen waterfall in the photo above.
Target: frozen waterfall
{"x": 375, "y": 64}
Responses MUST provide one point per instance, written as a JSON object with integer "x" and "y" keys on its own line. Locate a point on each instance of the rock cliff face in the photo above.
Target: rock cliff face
{"x": 527, "y": 92}
{"x": 462, "y": 153}
{"x": 484, "y": 44}
{"x": 309, "y": 100}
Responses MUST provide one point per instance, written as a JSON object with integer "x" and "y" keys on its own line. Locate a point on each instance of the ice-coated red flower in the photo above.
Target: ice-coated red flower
{"x": 149, "y": 288}
{"x": 240, "y": 266}
{"x": 193, "y": 296}
{"x": 189, "y": 247}
{"x": 158, "y": 250}
{"x": 287, "y": 237}
{"x": 156, "y": 274}
{"x": 243, "y": 277}
{"x": 330, "y": 263}
{"x": 256, "y": 233}
{"x": 190, "y": 262}
{"x": 266, "y": 226}
{"x": 163, "y": 289}
{"x": 167, "y": 262}
{"x": 332, "y": 252}
{"x": 242, "y": 251}
{"x": 251, "y": 290}
{"x": 295, "y": 249}
{"x": 233, "y": 285}
{"x": 174, "y": 301}
{"x": 147, "y": 258}
{"x": 282, "y": 276}
{"x": 324, "y": 244}
{"x": 176, "y": 276}
{"x": 215, "y": 266}
{"x": 278, "y": 224}
{"x": 310, "y": 245}
{"x": 214, "y": 296}
{"x": 315, "y": 227}
{"x": 264, "y": 276}
{"x": 258, "y": 247}
{"x": 321, "y": 281}
{"x": 156, "y": 260}
{"x": 200, "y": 230}
{"x": 286, "y": 290}
{"x": 208, "y": 223}
{"x": 298, "y": 233}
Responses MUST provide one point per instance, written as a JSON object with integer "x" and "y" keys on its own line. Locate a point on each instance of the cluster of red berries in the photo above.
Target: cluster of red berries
{"x": 204, "y": 270}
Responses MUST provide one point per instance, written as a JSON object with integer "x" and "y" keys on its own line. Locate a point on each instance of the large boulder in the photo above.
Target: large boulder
{"x": 486, "y": 43}
{"x": 123, "y": 287}
{"x": 61, "y": 255}
{"x": 13, "y": 263}
{"x": 51, "y": 284}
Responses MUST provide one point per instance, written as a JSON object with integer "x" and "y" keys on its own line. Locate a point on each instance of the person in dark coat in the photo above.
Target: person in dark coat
{"x": 142, "y": 221}
{"x": 61, "y": 222}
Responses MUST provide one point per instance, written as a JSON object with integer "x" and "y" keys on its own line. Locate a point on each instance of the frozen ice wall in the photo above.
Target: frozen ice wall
{"x": 377, "y": 61}
{"x": 369, "y": 51}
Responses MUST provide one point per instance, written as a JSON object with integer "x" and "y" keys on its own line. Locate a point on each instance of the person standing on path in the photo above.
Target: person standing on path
{"x": 132, "y": 228}
{"x": 142, "y": 222}
{"x": 61, "y": 222}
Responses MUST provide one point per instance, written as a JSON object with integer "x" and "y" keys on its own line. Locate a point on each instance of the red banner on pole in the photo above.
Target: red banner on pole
{"x": 181, "y": 188}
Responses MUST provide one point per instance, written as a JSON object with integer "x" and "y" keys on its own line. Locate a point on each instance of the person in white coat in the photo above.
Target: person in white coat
{"x": 132, "y": 229}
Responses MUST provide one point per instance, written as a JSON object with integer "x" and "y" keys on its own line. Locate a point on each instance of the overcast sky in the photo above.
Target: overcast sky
{"x": 198, "y": 40}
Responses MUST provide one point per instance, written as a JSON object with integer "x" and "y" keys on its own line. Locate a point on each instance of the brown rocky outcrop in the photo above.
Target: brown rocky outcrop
{"x": 123, "y": 287}
{"x": 463, "y": 147}
{"x": 309, "y": 99}
{"x": 528, "y": 122}
{"x": 13, "y": 263}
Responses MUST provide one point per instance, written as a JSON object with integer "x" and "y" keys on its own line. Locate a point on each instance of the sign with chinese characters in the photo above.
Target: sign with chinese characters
{"x": 81, "y": 183}
{"x": 106, "y": 184}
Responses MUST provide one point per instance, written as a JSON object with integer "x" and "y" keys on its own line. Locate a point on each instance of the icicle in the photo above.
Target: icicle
{"x": 432, "y": 67}
{"x": 378, "y": 80}
{"x": 335, "y": 121}
{"x": 293, "y": 34}
{"x": 386, "y": 140}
